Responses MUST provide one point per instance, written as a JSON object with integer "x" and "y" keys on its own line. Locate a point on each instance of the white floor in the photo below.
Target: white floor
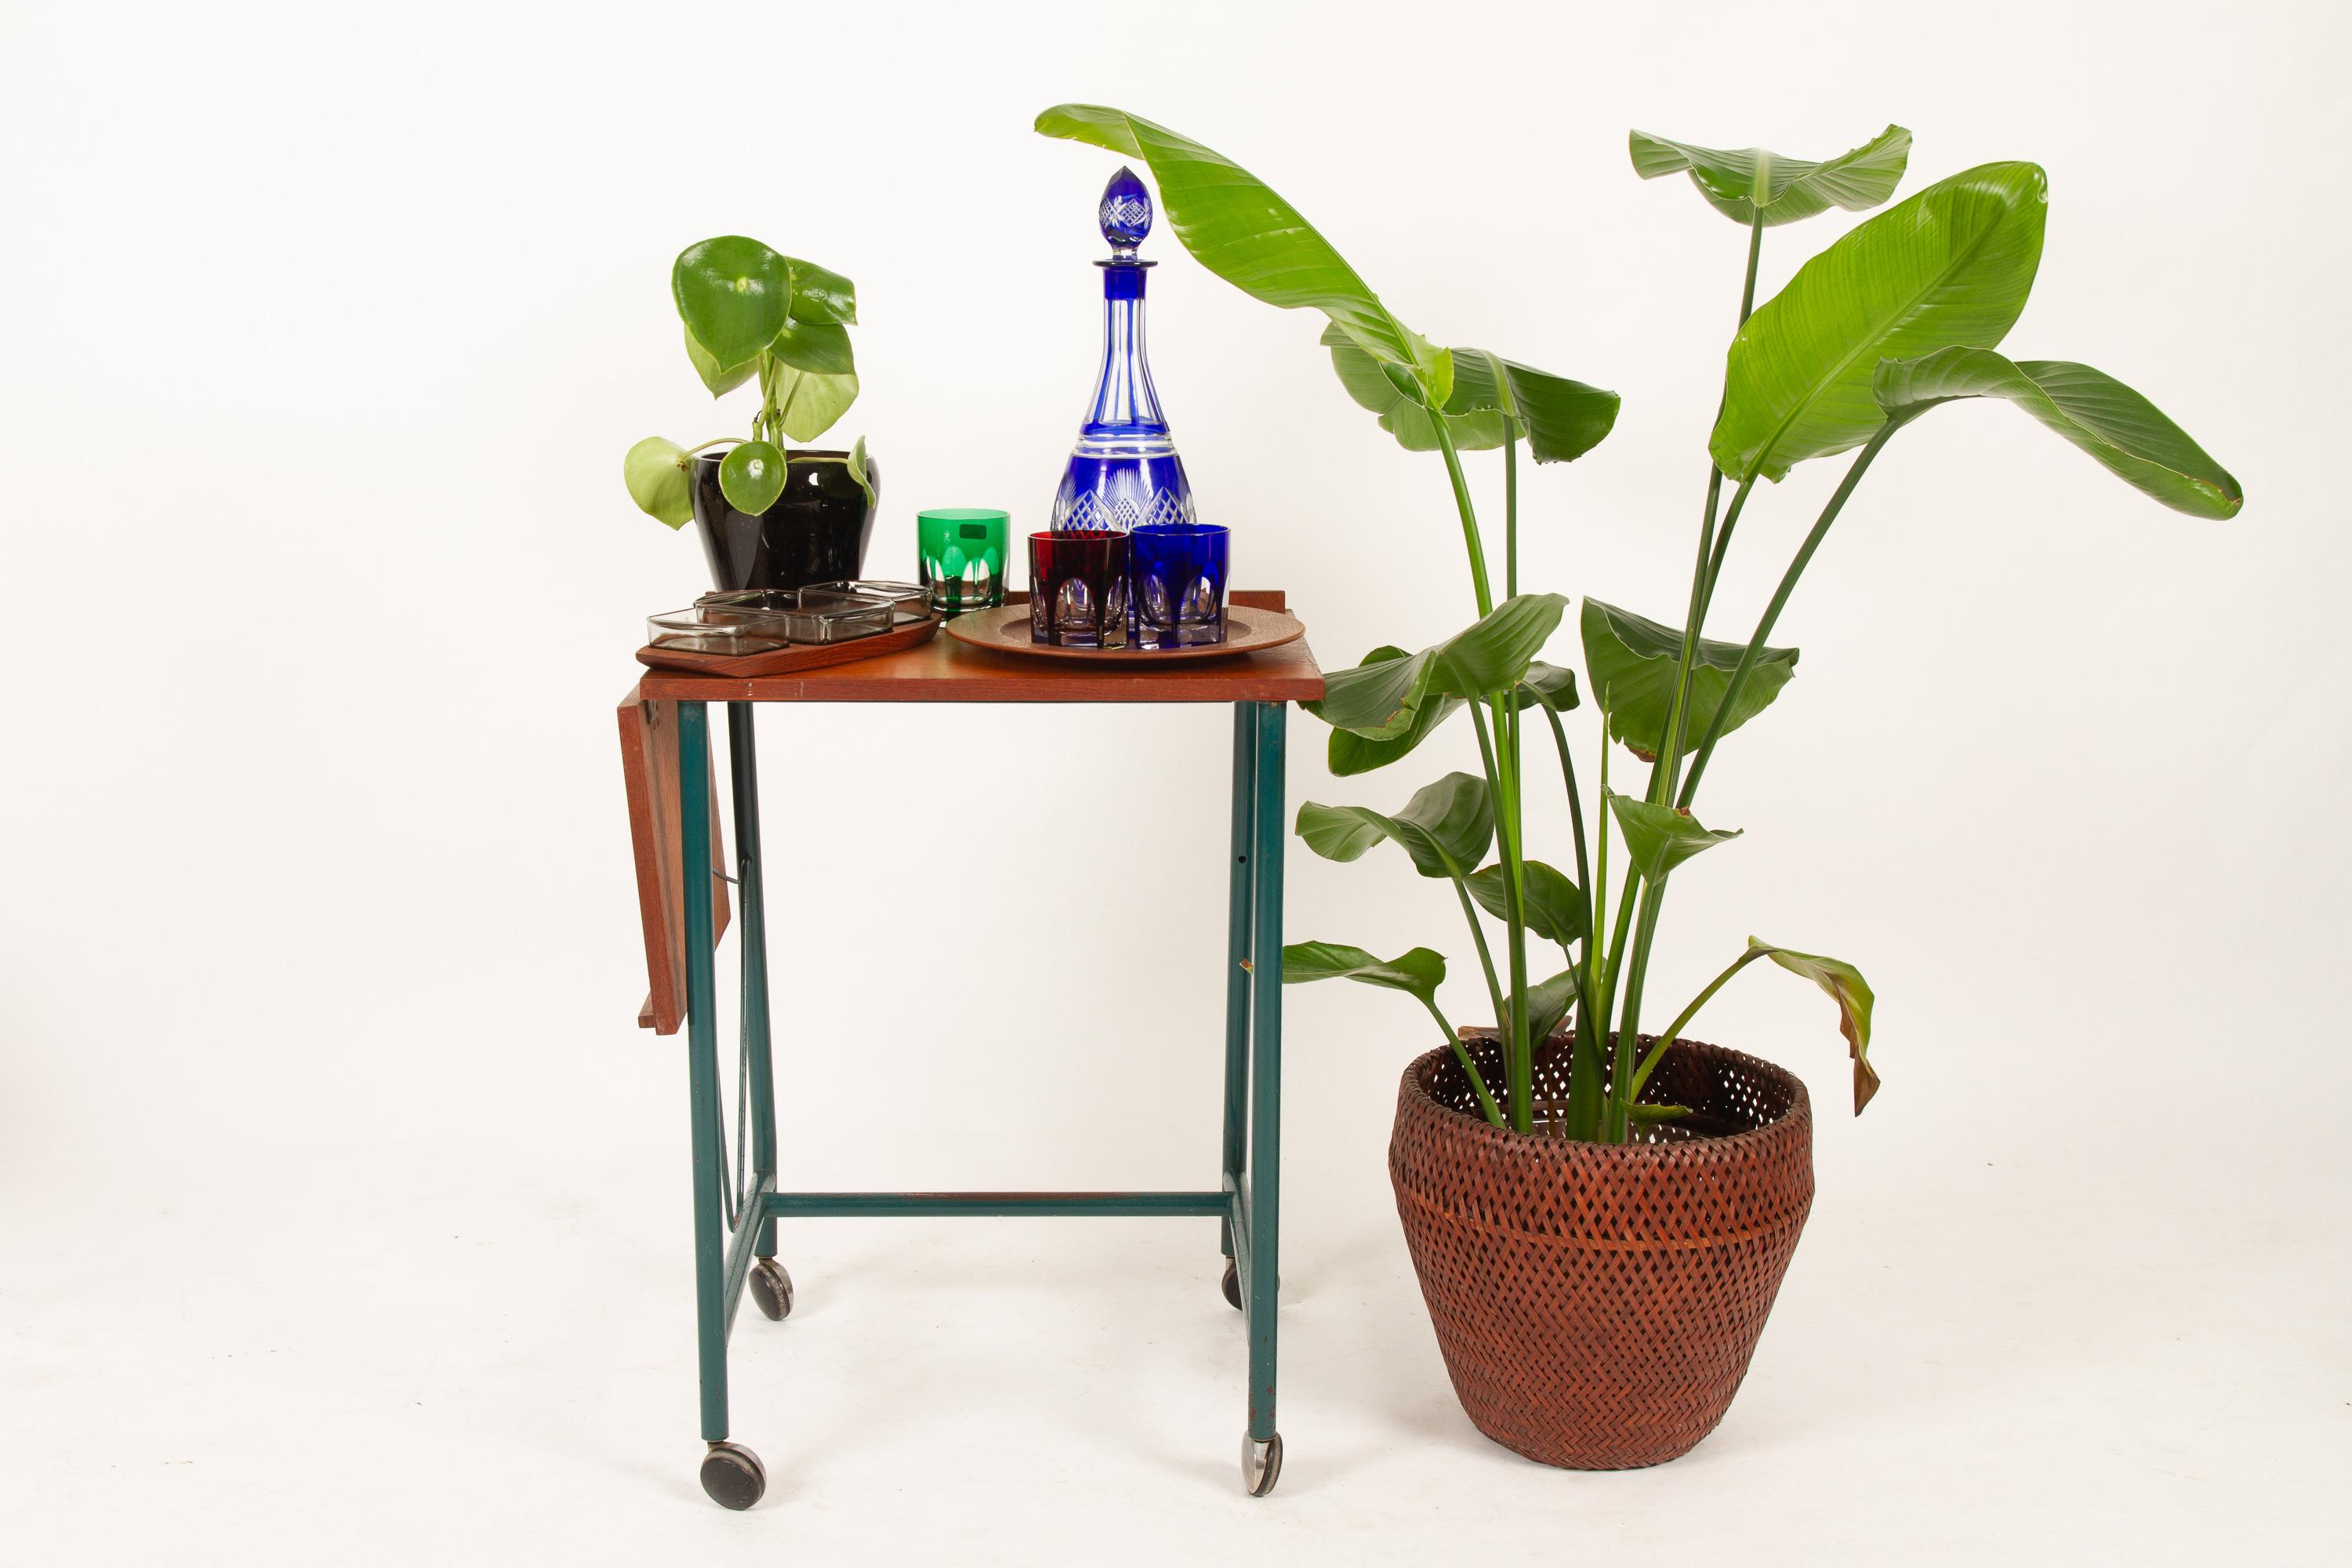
{"x": 446, "y": 1354}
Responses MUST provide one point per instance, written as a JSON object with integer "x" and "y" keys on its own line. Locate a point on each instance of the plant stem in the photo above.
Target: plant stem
{"x": 714, "y": 441}
{"x": 1469, "y": 518}
{"x": 1628, "y": 1031}
{"x": 1486, "y": 959}
{"x": 1754, "y": 249}
{"x": 1669, "y": 742}
{"x": 1779, "y": 598}
{"x": 1711, "y": 549}
{"x": 1722, "y": 545}
{"x": 1575, "y": 811}
{"x": 1510, "y": 516}
{"x": 1674, "y": 1030}
{"x": 1518, "y": 1054}
{"x": 763, "y": 422}
{"x": 1477, "y": 1084}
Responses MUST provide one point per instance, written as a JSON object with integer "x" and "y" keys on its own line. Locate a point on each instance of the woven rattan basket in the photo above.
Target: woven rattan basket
{"x": 1596, "y": 1305}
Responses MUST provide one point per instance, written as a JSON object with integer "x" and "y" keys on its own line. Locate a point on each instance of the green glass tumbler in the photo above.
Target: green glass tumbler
{"x": 962, "y": 551}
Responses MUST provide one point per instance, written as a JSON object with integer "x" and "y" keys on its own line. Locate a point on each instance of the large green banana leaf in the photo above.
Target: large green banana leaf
{"x": 2125, "y": 433}
{"x": 1951, "y": 265}
{"x": 1416, "y": 974}
{"x": 1555, "y": 906}
{"x": 1547, "y": 685}
{"x": 1632, "y": 661}
{"x": 1445, "y": 827}
{"x": 1239, "y": 229}
{"x": 1737, "y": 183}
{"x": 1381, "y": 698}
{"x": 1660, "y": 837}
{"x": 1562, "y": 419}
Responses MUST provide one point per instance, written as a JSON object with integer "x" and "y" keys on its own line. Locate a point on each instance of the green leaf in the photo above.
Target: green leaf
{"x": 1634, "y": 659}
{"x": 733, "y": 294}
{"x": 1846, "y": 988}
{"x": 1379, "y": 699}
{"x": 656, "y": 473}
{"x": 1238, "y": 228}
{"x": 1549, "y": 1003}
{"x": 811, "y": 403}
{"x": 852, "y": 462}
{"x": 1660, "y": 837}
{"x": 818, "y": 346}
{"x": 1549, "y": 685}
{"x": 1562, "y": 419}
{"x": 1417, "y": 973}
{"x": 1351, "y": 753}
{"x": 1555, "y": 908}
{"x": 752, "y": 476}
{"x": 820, "y": 294}
{"x": 720, "y": 379}
{"x": 857, "y": 472}
{"x": 1951, "y": 266}
{"x": 1656, "y": 1112}
{"x": 1737, "y": 183}
{"x": 2121, "y": 430}
{"x": 1445, "y": 827}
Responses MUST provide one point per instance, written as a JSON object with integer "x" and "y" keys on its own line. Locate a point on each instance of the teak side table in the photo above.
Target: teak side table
{"x": 673, "y": 810}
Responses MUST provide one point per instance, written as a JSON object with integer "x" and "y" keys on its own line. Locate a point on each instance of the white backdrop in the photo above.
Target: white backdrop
{"x": 344, "y": 1211}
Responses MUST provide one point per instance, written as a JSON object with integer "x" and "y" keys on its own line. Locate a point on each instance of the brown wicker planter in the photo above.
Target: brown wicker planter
{"x": 1597, "y": 1305}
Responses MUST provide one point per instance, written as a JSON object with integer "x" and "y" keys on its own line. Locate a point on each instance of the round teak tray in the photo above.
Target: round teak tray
{"x": 1005, "y": 630}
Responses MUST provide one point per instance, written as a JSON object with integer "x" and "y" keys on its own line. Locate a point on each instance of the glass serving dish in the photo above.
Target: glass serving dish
{"x": 723, "y": 630}
{"x": 758, "y": 620}
{"x": 910, "y": 600}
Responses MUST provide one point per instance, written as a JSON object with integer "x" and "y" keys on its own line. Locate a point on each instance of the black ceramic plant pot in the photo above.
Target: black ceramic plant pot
{"x": 815, "y": 532}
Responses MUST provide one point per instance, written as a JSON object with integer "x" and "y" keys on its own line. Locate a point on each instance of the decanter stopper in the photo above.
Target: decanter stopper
{"x": 1125, "y": 214}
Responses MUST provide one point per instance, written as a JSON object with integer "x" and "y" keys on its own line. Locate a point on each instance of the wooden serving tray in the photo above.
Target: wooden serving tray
{"x": 798, "y": 656}
{"x": 1007, "y": 631}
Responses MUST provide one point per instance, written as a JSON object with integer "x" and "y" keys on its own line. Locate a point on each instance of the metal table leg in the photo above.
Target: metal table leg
{"x": 1262, "y": 1445}
{"x": 731, "y": 1474}
{"x": 1237, "y": 979}
{"x": 771, "y": 1286}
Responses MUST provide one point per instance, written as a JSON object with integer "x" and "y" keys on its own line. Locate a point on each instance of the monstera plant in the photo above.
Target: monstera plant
{"x": 754, "y": 315}
{"x": 1600, "y": 1217}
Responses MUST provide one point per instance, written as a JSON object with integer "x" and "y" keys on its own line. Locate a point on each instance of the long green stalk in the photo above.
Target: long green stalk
{"x": 1516, "y": 854}
{"x": 1502, "y": 786}
{"x": 1470, "y": 539}
{"x": 1682, "y": 1021}
{"x": 1511, "y": 514}
{"x": 1575, "y": 811}
{"x": 1485, "y": 958}
{"x": 1477, "y": 1084}
{"x": 1517, "y": 1059}
{"x": 1722, "y": 547}
{"x": 1804, "y": 555}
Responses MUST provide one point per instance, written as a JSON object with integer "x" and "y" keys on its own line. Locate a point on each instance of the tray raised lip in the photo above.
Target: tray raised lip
{"x": 986, "y": 630}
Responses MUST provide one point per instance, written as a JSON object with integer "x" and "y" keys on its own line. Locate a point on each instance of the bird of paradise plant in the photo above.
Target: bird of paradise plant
{"x": 1902, "y": 313}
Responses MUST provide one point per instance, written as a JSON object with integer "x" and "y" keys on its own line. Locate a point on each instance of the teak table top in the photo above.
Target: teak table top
{"x": 946, "y": 670}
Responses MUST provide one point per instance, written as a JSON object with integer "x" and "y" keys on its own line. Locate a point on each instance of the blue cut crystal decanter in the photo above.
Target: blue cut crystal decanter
{"x": 1124, "y": 471}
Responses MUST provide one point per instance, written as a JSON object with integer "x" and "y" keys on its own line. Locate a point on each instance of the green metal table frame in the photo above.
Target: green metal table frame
{"x": 735, "y": 1218}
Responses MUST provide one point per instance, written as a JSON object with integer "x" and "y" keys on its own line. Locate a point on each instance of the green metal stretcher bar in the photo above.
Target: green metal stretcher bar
{"x": 735, "y": 1221}
{"x": 867, "y": 1205}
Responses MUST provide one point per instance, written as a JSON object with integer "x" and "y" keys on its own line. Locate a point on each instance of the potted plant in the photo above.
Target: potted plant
{"x": 1600, "y": 1217}
{"x": 769, "y": 517}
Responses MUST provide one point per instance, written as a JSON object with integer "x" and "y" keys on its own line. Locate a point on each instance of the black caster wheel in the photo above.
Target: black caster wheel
{"x": 1232, "y": 1285}
{"x": 733, "y": 1476}
{"x": 1261, "y": 1463}
{"x": 771, "y": 1288}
